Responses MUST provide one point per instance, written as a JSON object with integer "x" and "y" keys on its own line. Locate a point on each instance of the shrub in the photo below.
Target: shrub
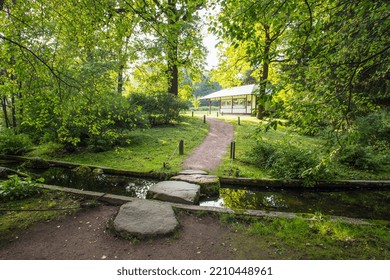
{"x": 360, "y": 157}
{"x": 286, "y": 160}
{"x": 374, "y": 127}
{"x": 160, "y": 108}
{"x": 14, "y": 144}
{"x": 16, "y": 188}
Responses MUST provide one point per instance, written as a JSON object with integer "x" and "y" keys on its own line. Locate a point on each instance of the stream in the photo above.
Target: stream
{"x": 369, "y": 204}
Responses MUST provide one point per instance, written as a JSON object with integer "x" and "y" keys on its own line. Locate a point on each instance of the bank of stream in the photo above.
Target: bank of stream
{"x": 368, "y": 204}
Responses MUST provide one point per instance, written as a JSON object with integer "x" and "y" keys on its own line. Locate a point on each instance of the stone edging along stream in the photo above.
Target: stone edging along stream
{"x": 275, "y": 184}
{"x": 243, "y": 182}
{"x": 120, "y": 200}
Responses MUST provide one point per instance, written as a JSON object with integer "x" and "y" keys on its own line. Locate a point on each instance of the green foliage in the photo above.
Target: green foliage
{"x": 361, "y": 157}
{"x": 338, "y": 65}
{"x": 160, "y": 108}
{"x": 288, "y": 160}
{"x": 47, "y": 149}
{"x": 366, "y": 145}
{"x": 16, "y": 188}
{"x": 282, "y": 238}
{"x": 14, "y": 144}
{"x": 147, "y": 149}
{"x": 374, "y": 128}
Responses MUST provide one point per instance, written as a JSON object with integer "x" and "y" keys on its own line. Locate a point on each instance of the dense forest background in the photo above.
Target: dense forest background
{"x": 87, "y": 72}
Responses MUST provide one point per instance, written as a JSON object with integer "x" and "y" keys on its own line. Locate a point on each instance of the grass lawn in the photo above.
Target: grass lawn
{"x": 279, "y": 238}
{"x": 246, "y": 137}
{"x": 148, "y": 148}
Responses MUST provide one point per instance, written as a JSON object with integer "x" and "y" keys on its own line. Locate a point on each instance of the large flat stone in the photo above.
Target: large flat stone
{"x": 175, "y": 191}
{"x": 145, "y": 218}
{"x": 209, "y": 184}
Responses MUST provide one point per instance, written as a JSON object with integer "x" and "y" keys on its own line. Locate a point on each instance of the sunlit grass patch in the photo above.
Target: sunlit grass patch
{"x": 316, "y": 238}
{"x": 149, "y": 149}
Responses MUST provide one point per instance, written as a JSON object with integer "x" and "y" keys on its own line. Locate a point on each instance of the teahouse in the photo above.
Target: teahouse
{"x": 235, "y": 100}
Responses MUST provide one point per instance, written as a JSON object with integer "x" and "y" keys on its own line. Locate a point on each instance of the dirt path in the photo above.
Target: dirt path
{"x": 210, "y": 153}
{"x": 84, "y": 236}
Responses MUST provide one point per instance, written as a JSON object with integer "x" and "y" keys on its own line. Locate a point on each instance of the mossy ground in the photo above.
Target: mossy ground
{"x": 21, "y": 214}
{"x": 280, "y": 238}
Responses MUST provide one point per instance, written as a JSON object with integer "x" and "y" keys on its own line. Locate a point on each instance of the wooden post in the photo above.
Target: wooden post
{"x": 204, "y": 118}
{"x": 239, "y": 123}
{"x": 192, "y": 113}
{"x": 181, "y": 147}
{"x": 217, "y": 114}
{"x": 232, "y": 150}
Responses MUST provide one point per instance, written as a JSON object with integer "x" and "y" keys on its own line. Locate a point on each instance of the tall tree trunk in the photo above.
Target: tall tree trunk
{"x": 172, "y": 51}
{"x": 13, "y": 111}
{"x": 264, "y": 75}
{"x": 120, "y": 79}
{"x": 5, "y": 112}
{"x": 173, "y": 76}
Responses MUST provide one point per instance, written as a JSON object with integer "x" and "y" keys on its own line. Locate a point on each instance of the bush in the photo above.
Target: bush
{"x": 14, "y": 144}
{"x": 290, "y": 161}
{"x": 360, "y": 157}
{"x": 374, "y": 127}
{"x": 160, "y": 108}
{"x": 16, "y": 188}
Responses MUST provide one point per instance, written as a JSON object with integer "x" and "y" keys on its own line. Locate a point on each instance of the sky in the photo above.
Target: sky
{"x": 209, "y": 42}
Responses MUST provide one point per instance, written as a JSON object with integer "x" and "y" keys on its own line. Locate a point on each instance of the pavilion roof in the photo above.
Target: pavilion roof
{"x": 241, "y": 90}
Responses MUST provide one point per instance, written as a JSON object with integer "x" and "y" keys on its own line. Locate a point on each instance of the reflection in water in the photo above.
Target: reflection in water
{"x": 120, "y": 185}
{"x": 246, "y": 199}
{"x": 359, "y": 204}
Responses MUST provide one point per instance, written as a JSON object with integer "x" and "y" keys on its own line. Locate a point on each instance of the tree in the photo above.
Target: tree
{"x": 63, "y": 65}
{"x": 172, "y": 35}
{"x": 341, "y": 69}
{"x": 257, "y": 27}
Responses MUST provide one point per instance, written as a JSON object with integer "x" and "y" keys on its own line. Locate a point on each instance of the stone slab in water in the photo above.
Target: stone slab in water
{"x": 193, "y": 172}
{"x": 145, "y": 218}
{"x": 175, "y": 191}
{"x": 209, "y": 184}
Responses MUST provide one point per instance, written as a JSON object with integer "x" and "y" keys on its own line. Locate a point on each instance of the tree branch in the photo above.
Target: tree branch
{"x": 52, "y": 70}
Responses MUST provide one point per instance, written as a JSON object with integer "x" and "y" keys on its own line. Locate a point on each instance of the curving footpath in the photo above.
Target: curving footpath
{"x": 210, "y": 153}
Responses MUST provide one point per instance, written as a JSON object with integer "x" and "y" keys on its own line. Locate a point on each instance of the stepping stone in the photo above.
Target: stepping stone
{"x": 175, "y": 191}
{"x": 193, "y": 172}
{"x": 145, "y": 218}
{"x": 209, "y": 184}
